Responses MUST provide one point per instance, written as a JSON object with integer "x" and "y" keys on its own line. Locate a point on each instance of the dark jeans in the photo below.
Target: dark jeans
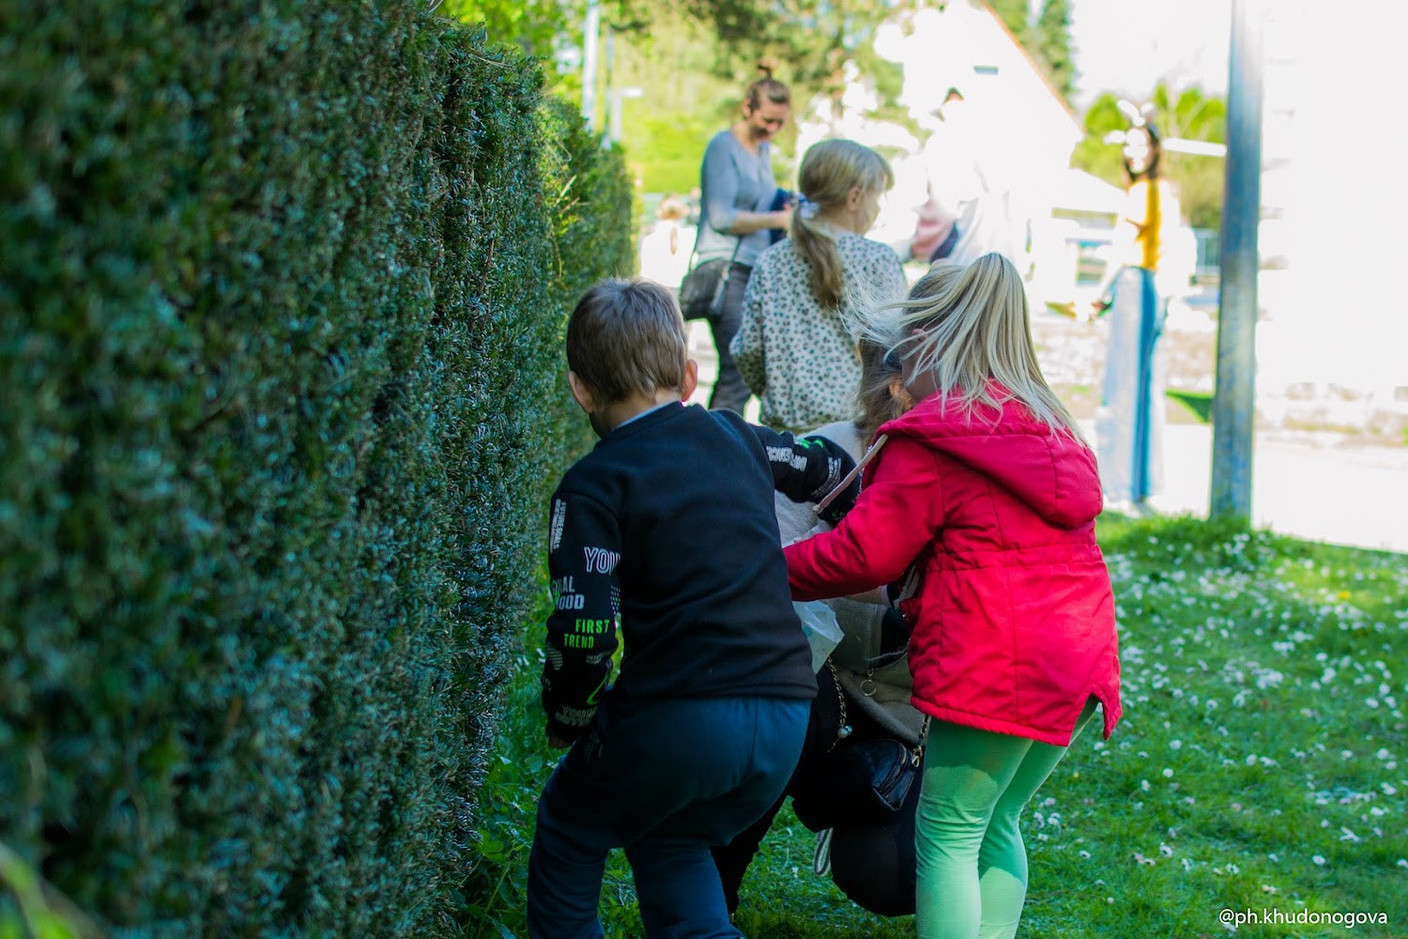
{"x": 734, "y": 858}
{"x": 730, "y": 390}
{"x": 667, "y": 781}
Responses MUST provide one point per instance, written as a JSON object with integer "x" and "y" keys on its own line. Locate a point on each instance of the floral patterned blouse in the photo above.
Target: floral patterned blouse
{"x": 799, "y": 359}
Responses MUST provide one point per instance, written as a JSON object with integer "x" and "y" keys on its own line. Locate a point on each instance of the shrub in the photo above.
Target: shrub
{"x": 280, "y": 311}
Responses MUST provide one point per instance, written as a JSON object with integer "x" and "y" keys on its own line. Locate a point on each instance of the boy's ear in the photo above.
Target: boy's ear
{"x": 691, "y": 379}
{"x": 581, "y": 392}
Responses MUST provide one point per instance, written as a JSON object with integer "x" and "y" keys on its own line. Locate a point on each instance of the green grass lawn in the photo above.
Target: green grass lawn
{"x": 1262, "y": 764}
{"x": 1196, "y": 406}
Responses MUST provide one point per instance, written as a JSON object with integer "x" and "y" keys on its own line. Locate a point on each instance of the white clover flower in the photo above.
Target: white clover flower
{"x": 1318, "y": 859}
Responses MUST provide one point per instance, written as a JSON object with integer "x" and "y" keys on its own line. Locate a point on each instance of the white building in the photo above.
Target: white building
{"x": 1028, "y": 135}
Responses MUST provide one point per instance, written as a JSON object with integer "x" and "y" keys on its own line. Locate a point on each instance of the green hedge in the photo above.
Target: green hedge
{"x": 281, "y": 299}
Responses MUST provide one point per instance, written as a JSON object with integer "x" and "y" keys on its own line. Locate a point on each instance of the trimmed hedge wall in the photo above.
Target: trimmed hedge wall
{"x": 281, "y": 299}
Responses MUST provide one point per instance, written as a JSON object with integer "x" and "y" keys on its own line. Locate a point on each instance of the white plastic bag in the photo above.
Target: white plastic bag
{"x": 820, "y": 627}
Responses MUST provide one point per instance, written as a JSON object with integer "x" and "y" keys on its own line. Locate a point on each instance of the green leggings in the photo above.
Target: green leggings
{"x": 972, "y": 863}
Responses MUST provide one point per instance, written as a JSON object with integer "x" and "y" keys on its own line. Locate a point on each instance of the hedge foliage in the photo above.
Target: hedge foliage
{"x": 281, "y": 299}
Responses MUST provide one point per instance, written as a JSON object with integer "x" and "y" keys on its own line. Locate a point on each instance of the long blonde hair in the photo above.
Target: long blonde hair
{"x": 973, "y": 329}
{"x": 829, "y": 171}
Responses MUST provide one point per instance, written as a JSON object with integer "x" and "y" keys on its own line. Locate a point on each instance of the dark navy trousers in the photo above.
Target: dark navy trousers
{"x": 666, "y": 781}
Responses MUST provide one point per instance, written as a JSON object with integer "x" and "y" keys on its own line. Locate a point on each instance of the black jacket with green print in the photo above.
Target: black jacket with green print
{"x": 667, "y": 528}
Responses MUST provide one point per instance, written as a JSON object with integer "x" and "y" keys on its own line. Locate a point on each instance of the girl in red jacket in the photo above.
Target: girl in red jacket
{"x": 983, "y": 500}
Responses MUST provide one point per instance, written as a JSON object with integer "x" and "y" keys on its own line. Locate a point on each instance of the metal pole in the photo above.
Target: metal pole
{"x": 613, "y": 100}
{"x": 1234, "y": 404}
{"x": 589, "y": 43}
{"x": 613, "y": 121}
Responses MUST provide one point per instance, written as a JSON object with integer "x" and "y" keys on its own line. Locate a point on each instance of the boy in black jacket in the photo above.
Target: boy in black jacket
{"x": 665, "y": 531}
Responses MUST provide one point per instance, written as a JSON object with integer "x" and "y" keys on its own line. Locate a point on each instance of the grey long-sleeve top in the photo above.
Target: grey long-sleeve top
{"x": 733, "y": 180}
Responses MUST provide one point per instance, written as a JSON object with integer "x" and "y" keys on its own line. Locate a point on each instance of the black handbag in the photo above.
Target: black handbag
{"x": 703, "y": 288}
{"x": 874, "y": 865}
{"x": 855, "y": 780}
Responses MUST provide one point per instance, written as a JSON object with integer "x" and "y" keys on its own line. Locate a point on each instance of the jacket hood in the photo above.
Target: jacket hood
{"x": 1054, "y": 474}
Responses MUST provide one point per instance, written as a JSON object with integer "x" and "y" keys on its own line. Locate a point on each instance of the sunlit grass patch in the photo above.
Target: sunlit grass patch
{"x": 1262, "y": 764}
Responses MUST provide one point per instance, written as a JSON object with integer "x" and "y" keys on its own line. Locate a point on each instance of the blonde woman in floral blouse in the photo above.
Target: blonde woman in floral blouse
{"x": 796, "y": 346}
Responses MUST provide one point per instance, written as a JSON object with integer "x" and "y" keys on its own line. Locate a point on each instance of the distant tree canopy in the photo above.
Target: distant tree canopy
{"x": 1015, "y": 13}
{"x": 1191, "y": 115}
{"x": 1052, "y": 46}
{"x": 1047, "y": 41}
{"x": 806, "y": 39}
{"x": 710, "y": 50}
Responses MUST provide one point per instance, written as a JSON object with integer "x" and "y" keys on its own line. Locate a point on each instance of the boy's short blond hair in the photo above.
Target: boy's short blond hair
{"x": 627, "y": 336}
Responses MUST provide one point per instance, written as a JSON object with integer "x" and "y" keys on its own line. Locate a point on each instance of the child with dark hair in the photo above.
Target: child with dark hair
{"x": 665, "y": 534}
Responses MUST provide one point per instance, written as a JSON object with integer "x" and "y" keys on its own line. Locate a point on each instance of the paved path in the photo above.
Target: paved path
{"x": 1312, "y": 488}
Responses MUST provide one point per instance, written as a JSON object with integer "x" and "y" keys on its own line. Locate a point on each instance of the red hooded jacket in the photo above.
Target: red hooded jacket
{"x": 1013, "y": 619}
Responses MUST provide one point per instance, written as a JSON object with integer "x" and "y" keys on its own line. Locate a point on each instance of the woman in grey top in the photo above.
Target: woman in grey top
{"x": 736, "y": 195}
